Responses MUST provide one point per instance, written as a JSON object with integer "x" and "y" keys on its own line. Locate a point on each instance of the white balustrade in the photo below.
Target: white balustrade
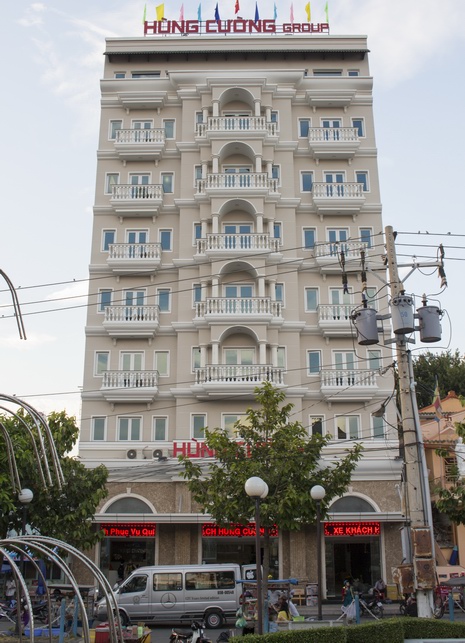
{"x": 253, "y": 374}
{"x": 238, "y": 306}
{"x": 334, "y": 312}
{"x": 130, "y": 314}
{"x": 332, "y": 134}
{"x": 136, "y": 251}
{"x": 348, "y": 378}
{"x": 129, "y": 379}
{"x": 338, "y": 190}
{"x": 237, "y": 124}
{"x": 135, "y": 192}
{"x": 237, "y": 242}
{"x": 351, "y": 249}
{"x": 140, "y": 136}
{"x": 237, "y": 181}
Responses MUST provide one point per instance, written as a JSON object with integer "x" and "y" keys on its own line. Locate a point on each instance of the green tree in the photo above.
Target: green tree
{"x": 448, "y": 367}
{"x": 450, "y": 500}
{"x": 64, "y": 513}
{"x": 267, "y": 444}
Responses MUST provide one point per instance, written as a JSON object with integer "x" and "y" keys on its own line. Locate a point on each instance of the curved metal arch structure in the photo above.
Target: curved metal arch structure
{"x": 42, "y": 443}
{"x": 49, "y": 549}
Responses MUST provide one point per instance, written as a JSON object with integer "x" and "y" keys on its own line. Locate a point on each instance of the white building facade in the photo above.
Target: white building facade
{"x": 236, "y": 192}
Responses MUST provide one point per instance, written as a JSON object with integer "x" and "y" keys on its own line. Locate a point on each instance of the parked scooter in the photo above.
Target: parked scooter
{"x": 408, "y": 606}
{"x": 39, "y": 610}
{"x": 194, "y": 635}
{"x": 372, "y": 604}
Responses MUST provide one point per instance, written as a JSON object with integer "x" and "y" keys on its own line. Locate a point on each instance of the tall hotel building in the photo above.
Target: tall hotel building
{"x": 237, "y": 187}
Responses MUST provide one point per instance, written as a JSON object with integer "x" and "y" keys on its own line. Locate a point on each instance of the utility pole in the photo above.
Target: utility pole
{"x": 418, "y": 502}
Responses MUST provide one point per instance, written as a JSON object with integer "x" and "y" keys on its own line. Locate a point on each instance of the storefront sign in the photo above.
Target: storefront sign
{"x": 352, "y": 528}
{"x": 240, "y": 26}
{"x": 212, "y": 530}
{"x": 129, "y": 530}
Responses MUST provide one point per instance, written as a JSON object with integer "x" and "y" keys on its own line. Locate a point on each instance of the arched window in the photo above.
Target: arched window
{"x": 351, "y": 504}
{"x": 128, "y": 506}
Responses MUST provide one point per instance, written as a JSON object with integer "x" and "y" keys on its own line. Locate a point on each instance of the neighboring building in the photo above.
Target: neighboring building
{"x": 233, "y": 172}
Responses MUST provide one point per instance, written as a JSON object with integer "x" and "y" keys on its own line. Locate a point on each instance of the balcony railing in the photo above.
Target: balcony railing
{"x": 327, "y": 255}
{"x": 140, "y": 136}
{"x": 129, "y": 386}
{"x": 238, "y": 181}
{"x": 348, "y": 384}
{"x": 131, "y": 321}
{"x": 140, "y": 144}
{"x": 332, "y": 134}
{"x": 134, "y": 252}
{"x": 137, "y": 200}
{"x": 225, "y": 306}
{"x": 338, "y": 198}
{"x": 221, "y": 242}
{"x": 334, "y": 312}
{"x": 253, "y": 374}
{"x": 243, "y": 124}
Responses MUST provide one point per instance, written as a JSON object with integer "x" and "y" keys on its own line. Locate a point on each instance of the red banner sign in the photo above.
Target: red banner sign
{"x": 129, "y": 530}
{"x": 352, "y": 528}
{"x": 212, "y": 530}
{"x": 237, "y": 27}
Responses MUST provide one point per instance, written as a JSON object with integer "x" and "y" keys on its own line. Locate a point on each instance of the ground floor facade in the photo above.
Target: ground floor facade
{"x": 150, "y": 523}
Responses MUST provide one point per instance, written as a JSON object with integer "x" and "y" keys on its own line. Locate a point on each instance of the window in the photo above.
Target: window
{"x": 142, "y": 132}
{"x": 243, "y": 356}
{"x": 197, "y": 232}
{"x": 164, "y": 299}
{"x": 114, "y": 127}
{"x": 165, "y": 239}
{"x": 344, "y": 360}
{"x": 306, "y": 181}
{"x": 104, "y": 299}
{"x": 110, "y": 181}
{"x": 366, "y": 235}
{"x": 145, "y": 74}
{"x": 353, "y": 72}
{"x": 311, "y": 300}
{"x": 167, "y": 182}
{"x": 336, "y": 238}
{"x": 229, "y": 421}
{"x": 168, "y": 125}
{"x": 160, "y": 425}
{"x": 362, "y": 177}
{"x": 120, "y": 74}
{"x": 374, "y": 360}
{"x": 334, "y": 184}
{"x": 171, "y": 582}
{"x": 327, "y": 72}
{"x": 199, "y": 117}
{"x": 162, "y": 363}
{"x": 304, "y": 126}
{"x": 378, "y": 428}
{"x": 135, "y": 585}
{"x": 129, "y": 428}
{"x": 314, "y": 362}
{"x": 108, "y": 237}
{"x": 197, "y": 293}
{"x": 101, "y": 362}
{"x": 281, "y": 357}
{"x": 316, "y": 425}
{"x": 98, "y": 425}
{"x": 348, "y": 427}
{"x": 274, "y": 117}
{"x": 279, "y": 292}
{"x": 134, "y": 301}
{"x": 309, "y": 239}
{"x": 210, "y": 580}
{"x": 359, "y": 125}
{"x": 371, "y": 297}
{"x": 198, "y": 424}
{"x": 196, "y": 358}
{"x": 197, "y": 173}
{"x": 278, "y": 230}
{"x": 132, "y": 361}
{"x": 275, "y": 172}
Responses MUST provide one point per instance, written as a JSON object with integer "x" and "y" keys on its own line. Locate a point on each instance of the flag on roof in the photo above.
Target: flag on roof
{"x": 217, "y": 13}
{"x": 236, "y": 7}
{"x": 327, "y": 12}
{"x": 160, "y": 9}
{"x": 257, "y": 15}
{"x": 308, "y": 11}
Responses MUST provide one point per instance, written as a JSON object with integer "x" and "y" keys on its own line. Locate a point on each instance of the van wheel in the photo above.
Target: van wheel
{"x": 214, "y": 619}
{"x": 124, "y": 618}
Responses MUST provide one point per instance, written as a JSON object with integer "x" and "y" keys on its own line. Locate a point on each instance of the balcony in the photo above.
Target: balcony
{"x": 338, "y": 198}
{"x": 260, "y": 310}
{"x": 333, "y": 142}
{"x": 334, "y": 320}
{"x": 225, "y": 246}
{"x": 137, "y": 200}
{"x": 237, "y": 380}
{"x": 221, "y": 127}
{"x": 244, "y": 184}
{"x": 130, "y": 386}
{"x": 140, "y": 144}
{"x": 327, "y": 255}
{"x": 344, "y": 385}
{"x": 134, "y": 258}
{"x": 131, "y": 321}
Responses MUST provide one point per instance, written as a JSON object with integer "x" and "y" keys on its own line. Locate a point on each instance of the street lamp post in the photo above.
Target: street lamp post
{"x": 318, "y": 493}
{"x": 25, "y": 497}
{"x": 257, "y": 489}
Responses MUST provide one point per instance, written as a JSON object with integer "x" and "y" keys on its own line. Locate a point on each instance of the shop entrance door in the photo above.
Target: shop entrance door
{"x": 356, "y": 558}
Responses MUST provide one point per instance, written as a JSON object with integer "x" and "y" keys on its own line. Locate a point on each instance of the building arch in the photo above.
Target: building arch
{"x": 235, "y": 97}
{"x": 128, "y": 504}
{"x": 354, "y": 502}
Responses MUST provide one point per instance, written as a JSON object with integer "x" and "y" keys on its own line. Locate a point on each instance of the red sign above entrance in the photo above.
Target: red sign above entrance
{"x": 352, "y": 528}
{"x": 212, "y": 530}
{"x": 129, "y": 530}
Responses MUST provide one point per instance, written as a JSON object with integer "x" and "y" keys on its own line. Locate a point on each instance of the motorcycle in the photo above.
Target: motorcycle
{"x": 39, "y": 611}
{"x": 194, "y": 635}
{"x": 372, "y": 604}
{"x": 408, "y": 606}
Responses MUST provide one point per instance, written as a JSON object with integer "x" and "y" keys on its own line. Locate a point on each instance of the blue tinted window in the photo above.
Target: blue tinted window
{"x": 165, "y": 239}
{"x": 304, "y": 124}
{"x": 313, "y": 362}
{"x": 309, "y": 238}
{"x": 104, "y": 299}
{"x": 307, "y": 181}
{"x": 164, "y": 300}
{"x": 108, "y": 237}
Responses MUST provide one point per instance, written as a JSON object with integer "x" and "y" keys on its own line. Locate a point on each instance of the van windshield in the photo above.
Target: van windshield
{"x": 134, "y": 584}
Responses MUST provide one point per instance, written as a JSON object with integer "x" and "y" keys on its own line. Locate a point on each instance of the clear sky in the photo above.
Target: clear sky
{"x": 52, "y": 62}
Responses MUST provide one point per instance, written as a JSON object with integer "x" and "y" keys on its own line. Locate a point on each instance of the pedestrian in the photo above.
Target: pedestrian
{"x": 348, "y": 602}
{"x": 10, "y": 590}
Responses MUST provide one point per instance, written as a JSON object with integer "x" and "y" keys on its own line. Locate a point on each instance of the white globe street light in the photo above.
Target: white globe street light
{"x": 257, "y": 489}
{"x": 317, "y": 492}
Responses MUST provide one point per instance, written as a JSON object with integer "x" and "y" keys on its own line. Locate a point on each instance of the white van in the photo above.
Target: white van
{"x": 178, "y": 594}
